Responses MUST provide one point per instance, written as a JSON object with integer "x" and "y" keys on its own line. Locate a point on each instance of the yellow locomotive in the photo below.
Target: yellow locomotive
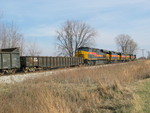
{"x": 94, "y": 56}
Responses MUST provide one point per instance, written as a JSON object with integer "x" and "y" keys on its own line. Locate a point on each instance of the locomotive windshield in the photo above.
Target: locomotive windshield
{"x": 83, "y": 49}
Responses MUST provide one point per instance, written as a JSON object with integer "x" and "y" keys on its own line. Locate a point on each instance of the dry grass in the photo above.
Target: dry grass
{"x": 94, "y": 90}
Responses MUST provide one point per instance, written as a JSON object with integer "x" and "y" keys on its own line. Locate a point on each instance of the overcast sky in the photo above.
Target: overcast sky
{"x": 39, "y": 19}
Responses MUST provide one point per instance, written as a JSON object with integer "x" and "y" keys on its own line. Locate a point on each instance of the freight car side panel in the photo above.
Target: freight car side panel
{"x": 29, "y": 61}
{"x": 43, "y": 62}
{"x": 0, "y": 61}
{"x": 48, "y": 61}
{"x": 15, "y": 61}
{"x": 51, "y": 62}
{"x": 40, "y": 61}
{"x": 6, "y": 61}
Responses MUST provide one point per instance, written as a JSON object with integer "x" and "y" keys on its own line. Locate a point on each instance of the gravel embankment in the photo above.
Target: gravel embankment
{"x": 22, "y": 77}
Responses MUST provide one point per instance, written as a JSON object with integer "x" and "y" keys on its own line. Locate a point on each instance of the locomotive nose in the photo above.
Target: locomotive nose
{"x": 79, "y": 54}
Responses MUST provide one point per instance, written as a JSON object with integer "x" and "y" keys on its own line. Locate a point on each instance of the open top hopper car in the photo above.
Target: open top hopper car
{"x": 9, "y": 60}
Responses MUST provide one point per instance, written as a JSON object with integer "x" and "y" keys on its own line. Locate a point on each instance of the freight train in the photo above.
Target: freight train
{"x": 11, "y": 61}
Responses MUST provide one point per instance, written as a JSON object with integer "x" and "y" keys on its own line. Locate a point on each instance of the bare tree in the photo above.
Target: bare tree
{"x": 22, "y": 46}
{"x": 126, "y": 44}
{"x": 32, "y": 49}
{"x": 10, "y": 36}
{"x": 148, "y": 56}
{"x": 72, "y": 35}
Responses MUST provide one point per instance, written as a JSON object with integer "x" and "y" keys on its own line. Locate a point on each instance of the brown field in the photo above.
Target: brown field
{"x": 95, "y": 90}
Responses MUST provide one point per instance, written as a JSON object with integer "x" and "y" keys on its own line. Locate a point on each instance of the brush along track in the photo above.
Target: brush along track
{"x": 19, "y": 77}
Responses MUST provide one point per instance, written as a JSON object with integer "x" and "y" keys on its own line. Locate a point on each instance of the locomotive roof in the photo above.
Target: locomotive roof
{"x": 103, "y": 50}
{"x": 83, "y": 47}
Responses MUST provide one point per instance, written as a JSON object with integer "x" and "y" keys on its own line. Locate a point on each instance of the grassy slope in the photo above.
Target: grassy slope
{"x": 142, "y": 89}
{"x": 93, "y": 90}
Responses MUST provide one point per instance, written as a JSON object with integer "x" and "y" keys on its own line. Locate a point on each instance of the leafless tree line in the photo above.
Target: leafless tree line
{"x": 72, "y": 35}
{"x": 126, "y": 44}
{"x": 148, "y": 54}
{"x": 33, "y": 49}
{"x": 10, "y": 37}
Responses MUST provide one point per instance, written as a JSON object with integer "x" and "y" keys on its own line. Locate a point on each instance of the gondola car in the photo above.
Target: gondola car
{"x": 9, "y": 60}
{"x": 32, "y": 63}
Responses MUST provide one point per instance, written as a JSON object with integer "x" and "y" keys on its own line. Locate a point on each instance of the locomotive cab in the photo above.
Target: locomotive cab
{"x": 93, "y": 56}
{"x": 82, "y": 52}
